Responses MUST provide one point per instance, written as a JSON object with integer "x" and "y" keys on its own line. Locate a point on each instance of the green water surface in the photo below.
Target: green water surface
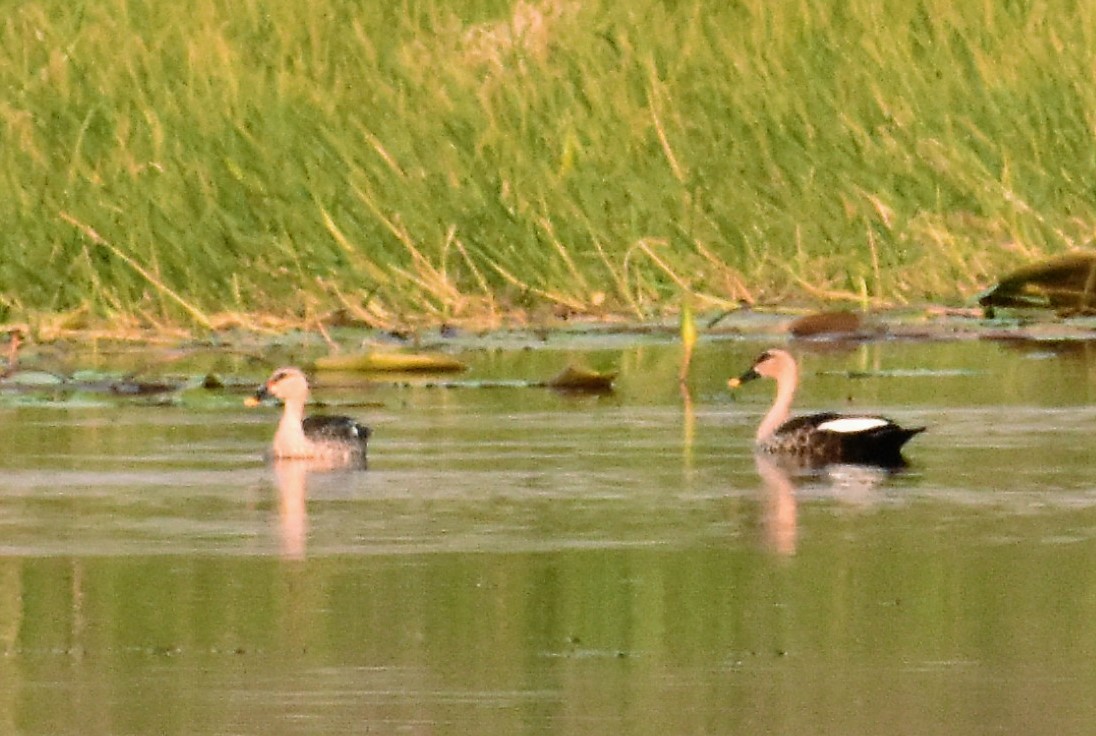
{"x": 518, "y": 561}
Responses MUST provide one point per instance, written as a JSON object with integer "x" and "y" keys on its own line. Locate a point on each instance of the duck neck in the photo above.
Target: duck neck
{"x": 782, "y": 406}
{"x": 289, "y": 439}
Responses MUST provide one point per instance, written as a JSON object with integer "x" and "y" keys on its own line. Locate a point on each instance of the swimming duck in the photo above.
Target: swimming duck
{"x": 822, "y": 439}
{"x": 333, "y": 439}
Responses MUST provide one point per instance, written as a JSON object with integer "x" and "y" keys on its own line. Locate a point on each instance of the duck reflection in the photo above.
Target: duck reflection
{"x": 778, "y": 511}
{"x": 782, "y": 481}
{"x": 291, "y": 475}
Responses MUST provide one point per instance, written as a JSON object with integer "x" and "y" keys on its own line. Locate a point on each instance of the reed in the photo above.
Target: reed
{"x": 430, "y": 161}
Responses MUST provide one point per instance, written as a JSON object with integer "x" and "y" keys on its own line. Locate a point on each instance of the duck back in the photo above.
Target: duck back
{"x": 821, "y": 439}
{"x": 336, "y": 429}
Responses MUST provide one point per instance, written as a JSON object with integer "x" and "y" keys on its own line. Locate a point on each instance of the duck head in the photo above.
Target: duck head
{"x": 287, "y": 384}
{"x": 774, "y": 364}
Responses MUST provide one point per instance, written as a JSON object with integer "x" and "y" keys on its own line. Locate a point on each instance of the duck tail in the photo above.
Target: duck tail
{"x": 905, "y": 434}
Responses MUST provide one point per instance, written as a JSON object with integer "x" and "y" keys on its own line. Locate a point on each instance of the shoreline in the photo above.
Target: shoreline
{"x": 929, "y": 322}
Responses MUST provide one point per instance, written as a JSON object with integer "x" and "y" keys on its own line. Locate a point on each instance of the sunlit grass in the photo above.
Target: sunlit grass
{"x": 177, "y": 163}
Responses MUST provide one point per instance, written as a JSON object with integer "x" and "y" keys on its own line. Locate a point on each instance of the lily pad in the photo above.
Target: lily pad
{"x": 391, "y": 362}
{"x": 826, "y": 324}
{"x": 129, "y": 387}
{"x": 31, "y": 378}
{"x": 572, "y": 378}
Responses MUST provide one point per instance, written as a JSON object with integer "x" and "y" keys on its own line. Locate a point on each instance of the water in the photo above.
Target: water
{"x": 521, "y": 561}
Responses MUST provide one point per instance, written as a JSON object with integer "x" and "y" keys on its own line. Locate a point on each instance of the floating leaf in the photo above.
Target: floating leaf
{"x": 582, "y": 379}
{"x": 34, "y": 378}
{"x": 842, "y": 322}
{"x": 391, "y": 362}
{"x": 127, "y": 387}
{"x": 1066, "y": 283}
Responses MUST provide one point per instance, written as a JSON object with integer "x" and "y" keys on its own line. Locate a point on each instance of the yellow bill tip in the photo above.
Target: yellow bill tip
{"x": 251, "y": 401}
{"x": 734, "y": 383}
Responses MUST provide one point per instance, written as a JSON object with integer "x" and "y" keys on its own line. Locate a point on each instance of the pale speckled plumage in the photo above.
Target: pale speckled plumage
{"x": 332, "y": 439}
{"x": 820, "y": 439}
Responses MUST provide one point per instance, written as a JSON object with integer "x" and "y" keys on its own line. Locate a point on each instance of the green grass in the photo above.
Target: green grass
{"x": 171, "y": 163}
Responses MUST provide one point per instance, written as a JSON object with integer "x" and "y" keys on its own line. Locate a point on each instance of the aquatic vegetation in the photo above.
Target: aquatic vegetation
{"x": 688, "y": 333}
{"x": 381, "y": 361}
{"x": 839, "y": 323}
{"x": 244, "y": 163}
{"x": 578, "y": 378}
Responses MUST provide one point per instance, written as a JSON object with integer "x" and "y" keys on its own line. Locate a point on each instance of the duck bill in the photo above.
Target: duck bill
{"x": 744, "y": 378}
{"x": 258, "y": 397}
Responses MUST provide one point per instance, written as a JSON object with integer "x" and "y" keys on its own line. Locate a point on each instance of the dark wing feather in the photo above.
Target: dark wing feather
{"x": 880, "y": 445}
{"x": 335, "y": 428}
{"x": 808, "y": 422}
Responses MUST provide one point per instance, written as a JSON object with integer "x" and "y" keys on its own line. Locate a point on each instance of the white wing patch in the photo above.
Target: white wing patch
{"x": 853, "y": 424}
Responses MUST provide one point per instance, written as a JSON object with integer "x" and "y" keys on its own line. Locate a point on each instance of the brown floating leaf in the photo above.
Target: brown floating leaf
{"x": 582, "y": 379}
{"x": 127, "y": 387}
{"x": 392, "y": 362}
{"x": 841, "y": 322}
{"x": 1066, "y": 283}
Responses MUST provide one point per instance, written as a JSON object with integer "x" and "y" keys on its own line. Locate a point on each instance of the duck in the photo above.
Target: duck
{"x": 827, "y": 438}
{"x": 329, "y": 439}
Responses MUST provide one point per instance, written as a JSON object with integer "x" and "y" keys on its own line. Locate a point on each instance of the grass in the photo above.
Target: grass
{"x": 214, "y": 162}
